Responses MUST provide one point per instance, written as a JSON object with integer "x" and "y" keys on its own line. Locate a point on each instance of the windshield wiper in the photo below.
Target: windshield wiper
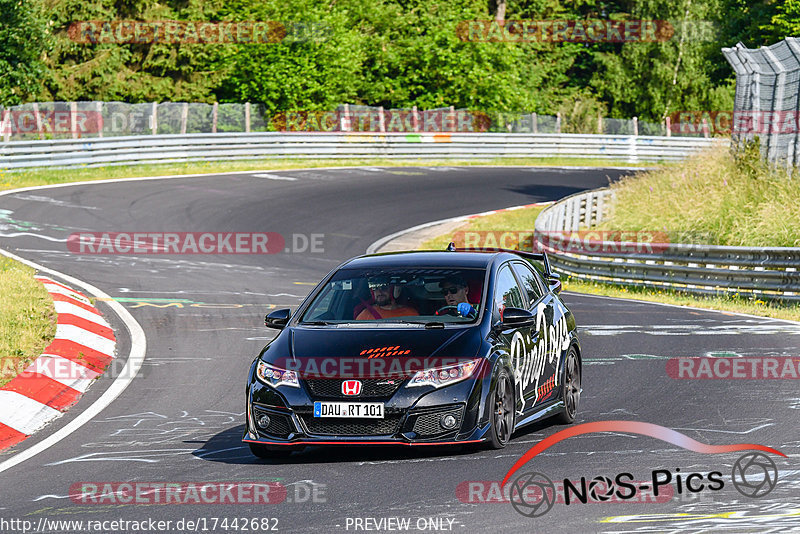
{"x": 428, "y": 324}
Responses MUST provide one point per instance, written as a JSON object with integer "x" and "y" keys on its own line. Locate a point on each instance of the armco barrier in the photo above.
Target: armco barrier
{"x": 230, "y": 146}
{"x": 764, "y": 272}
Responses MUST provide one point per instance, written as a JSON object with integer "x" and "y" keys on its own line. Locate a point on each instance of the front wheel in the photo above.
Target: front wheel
{"x": 570, "y": 387}
{"x": 502, "y": 405}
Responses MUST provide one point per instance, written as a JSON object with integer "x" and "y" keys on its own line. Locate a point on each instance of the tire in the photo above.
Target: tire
{"x": 501, "y": 404}
{"x": 268, "y": 453}
{"x": 570, "y": 387}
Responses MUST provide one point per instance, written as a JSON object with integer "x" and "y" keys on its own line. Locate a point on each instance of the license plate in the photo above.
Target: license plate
{"x": 368, "y": 410}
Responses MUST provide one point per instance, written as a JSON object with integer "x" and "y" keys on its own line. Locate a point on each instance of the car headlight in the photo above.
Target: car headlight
{"x": 444, "y": 376}
{"x": 275, "y": 377}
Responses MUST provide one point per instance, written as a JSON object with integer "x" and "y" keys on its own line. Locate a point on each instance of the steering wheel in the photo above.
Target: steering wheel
{"x": 448, "y": 310}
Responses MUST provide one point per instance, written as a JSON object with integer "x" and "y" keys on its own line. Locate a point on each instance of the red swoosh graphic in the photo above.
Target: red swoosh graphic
{"x": 634, "y": 427}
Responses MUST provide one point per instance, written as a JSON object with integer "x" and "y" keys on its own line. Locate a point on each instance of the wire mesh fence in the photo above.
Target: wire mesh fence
{"x": 77, "y": 120}
{"x": 768, "y": 99}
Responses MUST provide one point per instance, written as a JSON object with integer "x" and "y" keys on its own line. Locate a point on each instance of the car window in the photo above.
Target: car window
{"x": 506, "y": 292}
{"x": 530, "y": 281}
{"x": 399, "y": 294}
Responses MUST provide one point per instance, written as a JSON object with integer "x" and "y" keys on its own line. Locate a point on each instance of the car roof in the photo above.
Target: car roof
{"x": 424, "y": 259}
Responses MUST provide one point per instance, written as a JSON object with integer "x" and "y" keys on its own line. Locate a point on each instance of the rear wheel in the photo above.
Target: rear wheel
{"x": 502, "y": 406}
{"x": 570, "y": 387}
{"x": 268, "y": 453}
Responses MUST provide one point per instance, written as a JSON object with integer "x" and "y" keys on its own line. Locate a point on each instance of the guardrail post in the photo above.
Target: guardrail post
{"x": 214, "y": 113}
{"x": 38, "y": 119}
{"x": 668, "y": 126}
{"x": 558, "y": 122}
{"x": 415, "y": 118}
{"x": 381, "y": 119}
{"x": 184, "y": 116}
{"x": 534, "y": 123}
{"x": 73, "y": 119}
{"x": 636, "y": 126}
{"x": 100, "y": 122}
{"x": 453, "y": 117}
{"x": 247, "y": 117}
{"x": 154, "y": 119}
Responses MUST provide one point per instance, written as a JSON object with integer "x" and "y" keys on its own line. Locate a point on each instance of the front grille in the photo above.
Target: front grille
{"x": 279, "y": 425}
{"x": 427, "y": 424}
{"x": 351, "y": 427}
{"x": 371, "y": 388}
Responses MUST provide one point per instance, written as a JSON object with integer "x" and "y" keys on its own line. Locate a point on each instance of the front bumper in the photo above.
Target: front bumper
{"x": 411, "y": 417}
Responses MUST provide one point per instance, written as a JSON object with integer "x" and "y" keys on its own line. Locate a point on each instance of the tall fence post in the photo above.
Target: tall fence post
{"x": 636, "y": 126}
{"x": 668, "y": 126}
{"x": 599, "y": 123}
{"x": 154, "y": 119}
{"x": 247, "y": 117}
{"x": 38, "y": 119}
{"x": 73, "y": 119}
{"x": 558, "y": 122}
{"x": 777, "y": 102}
{"x": 381, "y": 119}
{"x": 101, "y": 123}
{"x": 184, "y": 117}
{"x": 534, "y": 123}
{"x": 345, "y": 119}
{"x": 414, "y": 119}
{"x": 452, "y": 118}
{"x": 5, "y": 124}
{"x": 214, "y": 114}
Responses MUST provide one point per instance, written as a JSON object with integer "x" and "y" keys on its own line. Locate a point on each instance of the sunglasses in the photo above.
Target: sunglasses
{"x": 450, "y": 290}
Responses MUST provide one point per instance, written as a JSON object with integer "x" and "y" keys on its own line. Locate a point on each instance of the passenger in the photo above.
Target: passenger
{"x": 385, "y": 306}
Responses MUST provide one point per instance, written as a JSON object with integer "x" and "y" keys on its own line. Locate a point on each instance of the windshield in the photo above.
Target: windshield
{"x": 405, "y": 295}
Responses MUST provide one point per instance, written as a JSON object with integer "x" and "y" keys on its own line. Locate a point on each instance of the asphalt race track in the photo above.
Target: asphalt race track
{"x": 181, "y": 419}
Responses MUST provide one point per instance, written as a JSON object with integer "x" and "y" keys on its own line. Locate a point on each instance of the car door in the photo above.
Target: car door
{"x": 513, "y": 341}
{"x": 548, "y": 335}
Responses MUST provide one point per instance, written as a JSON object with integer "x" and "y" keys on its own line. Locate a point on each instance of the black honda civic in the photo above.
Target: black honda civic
{"x": 417, "y": 348}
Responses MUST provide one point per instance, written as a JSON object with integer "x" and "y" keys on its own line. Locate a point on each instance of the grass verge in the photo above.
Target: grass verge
{"x": 27, "y": 318}
{"x": 713, "y": 198}
{"x": 519, "y": 222}
{"x": 32, "y": 177}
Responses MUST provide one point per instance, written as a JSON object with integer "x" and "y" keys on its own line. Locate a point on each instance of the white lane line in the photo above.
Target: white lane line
{"x": 275, "y": 177}
{"x": 126, "y": 376}
{"x": 72, "y": 309}
{"x": 24, "y": 414}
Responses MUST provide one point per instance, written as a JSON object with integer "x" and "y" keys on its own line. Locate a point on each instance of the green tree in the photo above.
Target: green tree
{"x": 23, "y": 40}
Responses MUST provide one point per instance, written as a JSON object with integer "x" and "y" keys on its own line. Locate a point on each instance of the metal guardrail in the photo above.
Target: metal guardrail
{"x": 230, "y": 146}
{"x": 762, "y": 272}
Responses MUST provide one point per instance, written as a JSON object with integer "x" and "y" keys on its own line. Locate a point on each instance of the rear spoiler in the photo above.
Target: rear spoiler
{"x": 538, "y": 256}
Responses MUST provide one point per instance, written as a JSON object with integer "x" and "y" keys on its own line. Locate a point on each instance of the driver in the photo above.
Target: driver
{"x": 455, "y": 292}
{"x": 385, "y": 305}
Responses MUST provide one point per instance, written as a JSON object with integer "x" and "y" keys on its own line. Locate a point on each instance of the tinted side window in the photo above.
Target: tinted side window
{"x": 530, "y": 281}
{"x": 506, "y": 292}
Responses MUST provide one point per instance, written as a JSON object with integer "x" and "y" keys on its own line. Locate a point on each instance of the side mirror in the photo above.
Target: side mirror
{"x": 278, "y": 318}
{"x": 516, "y": 317}
{"x": 554, "y": 282}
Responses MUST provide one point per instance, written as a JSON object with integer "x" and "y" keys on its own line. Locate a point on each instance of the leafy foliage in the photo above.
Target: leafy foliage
{"x": 394, "y": 53}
